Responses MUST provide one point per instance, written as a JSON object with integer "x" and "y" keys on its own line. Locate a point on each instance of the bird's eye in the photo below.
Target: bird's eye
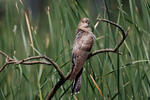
{"x": 87, "y": 21}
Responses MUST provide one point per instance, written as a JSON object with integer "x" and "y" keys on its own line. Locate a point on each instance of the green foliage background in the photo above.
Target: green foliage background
{"x": 120, "y": 77}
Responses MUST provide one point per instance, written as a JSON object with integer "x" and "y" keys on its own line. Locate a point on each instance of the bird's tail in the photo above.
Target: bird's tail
{"x": 77, "y": 83}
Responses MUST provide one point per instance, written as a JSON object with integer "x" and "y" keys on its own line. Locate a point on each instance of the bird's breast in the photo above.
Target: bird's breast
{"x": 84, "y": 43}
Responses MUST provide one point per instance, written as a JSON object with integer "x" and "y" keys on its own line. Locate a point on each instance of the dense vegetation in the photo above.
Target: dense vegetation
{"x": 51, "y": 32}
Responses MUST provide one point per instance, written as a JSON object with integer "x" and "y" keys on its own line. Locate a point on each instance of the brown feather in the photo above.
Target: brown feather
{"x": 81, "y": 48}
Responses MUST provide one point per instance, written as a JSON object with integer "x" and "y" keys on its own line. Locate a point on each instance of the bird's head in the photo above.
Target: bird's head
{"x": 84, "y": 23}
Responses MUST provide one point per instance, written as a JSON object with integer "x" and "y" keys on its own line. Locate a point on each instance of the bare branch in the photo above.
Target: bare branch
{"x": 57, "y": 86}
{"x": 5, "y": 65}
{"x": 28, "y": 61}
{"x": 110, "y": 22}
{"x": 4, "y": 54}
{"x": 56, "y": 67}
{"x": 114, "y": 50}
{"x": 36, "y": 62}
{"x": 101, "y": 51}
{"x": 24, "y": 62}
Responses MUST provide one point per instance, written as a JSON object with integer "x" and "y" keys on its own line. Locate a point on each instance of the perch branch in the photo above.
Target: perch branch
{"x": 114, "y": 50}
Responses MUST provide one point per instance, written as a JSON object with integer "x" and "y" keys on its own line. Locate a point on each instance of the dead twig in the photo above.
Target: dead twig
{"x": 25, "y": 61}
{"x": 57, "y": 86}
{"x": 3, "y": 53}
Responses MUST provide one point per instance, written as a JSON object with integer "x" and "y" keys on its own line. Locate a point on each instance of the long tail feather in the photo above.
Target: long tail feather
{"x": 77, "y": 83}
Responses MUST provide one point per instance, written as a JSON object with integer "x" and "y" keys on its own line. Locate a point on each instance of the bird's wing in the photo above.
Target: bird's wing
{"x": 82, "y": 45}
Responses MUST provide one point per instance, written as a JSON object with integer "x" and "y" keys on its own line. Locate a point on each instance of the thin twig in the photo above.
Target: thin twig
{"x": 36, "y": 62}
{"x": 56, "y": 67}
{"x": 3, "y": 54}
{"x": 5, "y": 65}
{"x": 112, "y": 23}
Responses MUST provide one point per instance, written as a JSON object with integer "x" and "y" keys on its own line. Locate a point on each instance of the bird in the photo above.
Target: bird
{"x": 81, "y": 49}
